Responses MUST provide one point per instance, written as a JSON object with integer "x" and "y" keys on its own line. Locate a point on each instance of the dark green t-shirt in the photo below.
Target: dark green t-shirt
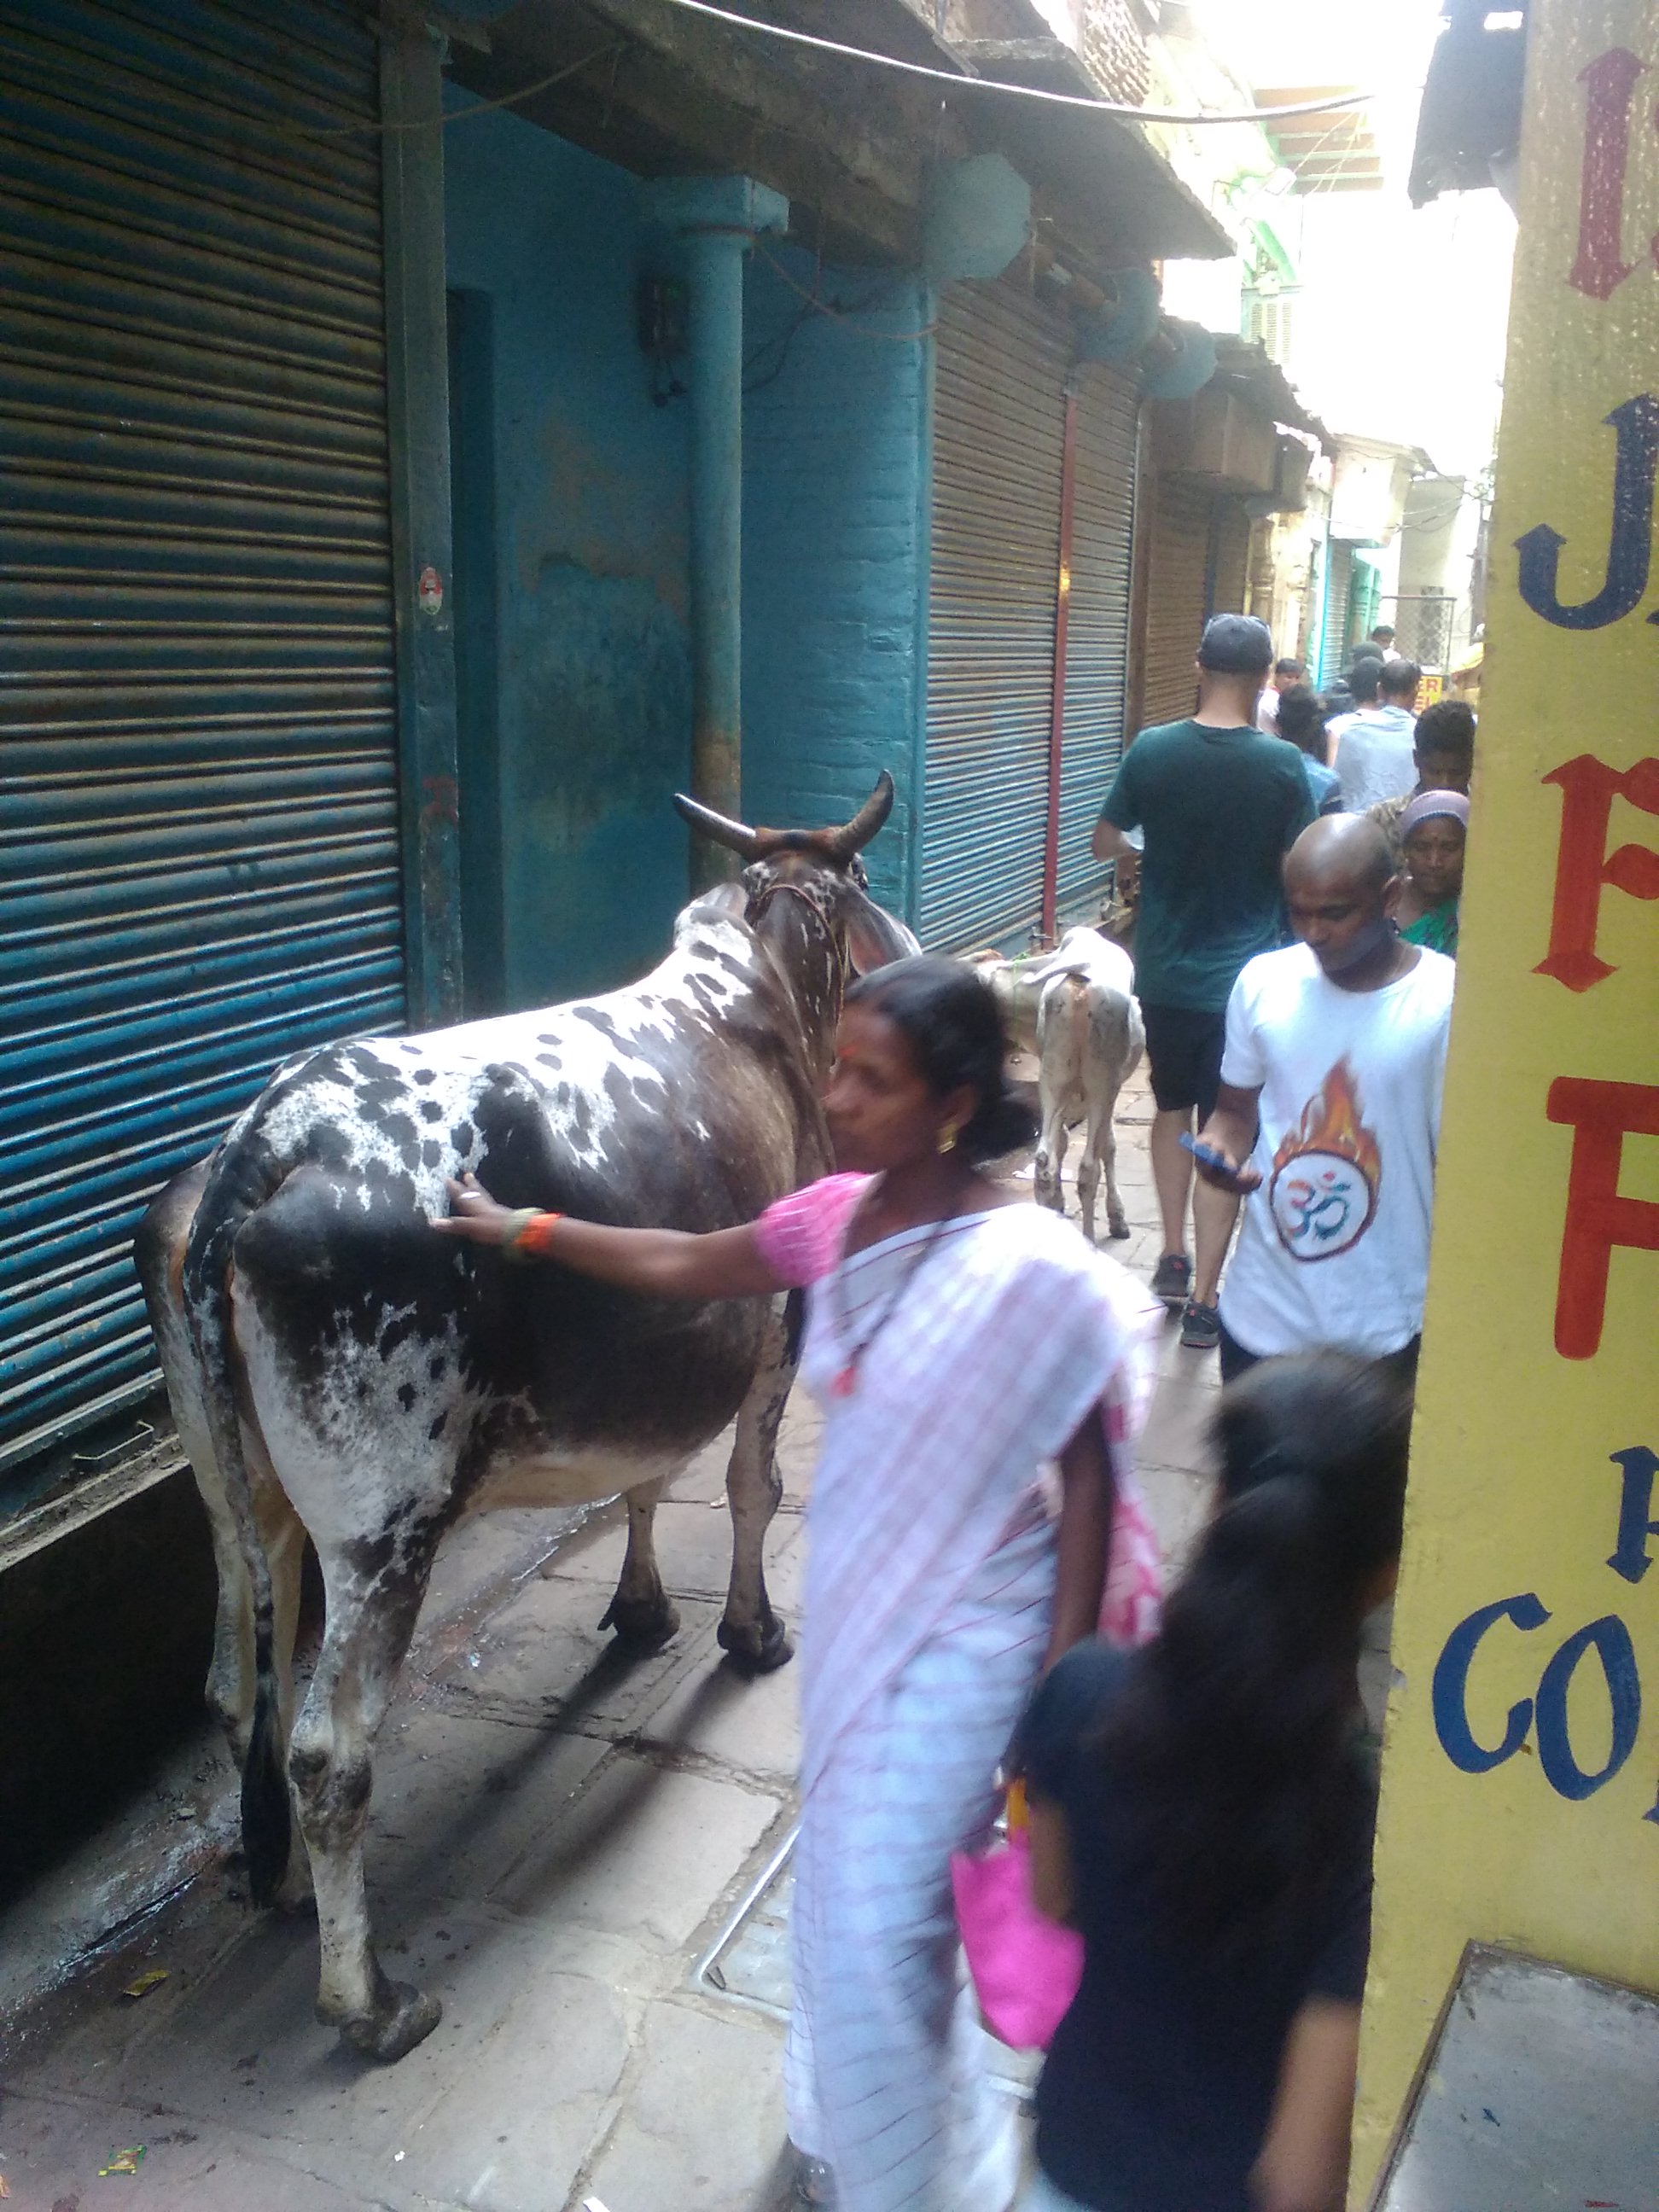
{"x": 1219, "y": 808}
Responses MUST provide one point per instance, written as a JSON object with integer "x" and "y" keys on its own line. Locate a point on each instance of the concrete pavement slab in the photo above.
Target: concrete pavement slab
{"x": 644, "y": 1851}
{"x": 751, "y": 1728}
{"x": 459, "y": 1798}
{"x": 51, "y": 2152}
{"x": 703, "y": 2128}
{"x": 247, "y": 2053}
{"x": 544, "y": 1661}
{"x": 527, "y": 2102}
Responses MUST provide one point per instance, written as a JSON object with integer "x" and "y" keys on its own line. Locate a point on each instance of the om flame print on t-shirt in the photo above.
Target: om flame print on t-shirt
{"x": 1327, "y": 1173}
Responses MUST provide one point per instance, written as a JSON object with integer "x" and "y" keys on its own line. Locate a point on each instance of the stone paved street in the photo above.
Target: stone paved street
{"x": 557, "y": 1839}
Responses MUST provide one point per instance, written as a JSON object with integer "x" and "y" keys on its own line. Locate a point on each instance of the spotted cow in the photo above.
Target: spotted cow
{"x": 336, "y": 1371}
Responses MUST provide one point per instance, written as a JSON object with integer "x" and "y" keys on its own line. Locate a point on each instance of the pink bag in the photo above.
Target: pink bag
{"x": 1026, "y": 1967}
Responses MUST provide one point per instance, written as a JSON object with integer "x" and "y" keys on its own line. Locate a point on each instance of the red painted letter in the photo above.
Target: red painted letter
{"x": 1588, "y": 787}
{"x": 1600, "y": 1116}
{"x": 1601, "y": 268}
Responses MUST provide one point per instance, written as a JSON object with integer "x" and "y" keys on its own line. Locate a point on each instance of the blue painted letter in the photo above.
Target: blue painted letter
{"x": 1636, "y": 1521}
{"x": 1610, "y": 1639}
{"x": 1637, "y": 425}
{"x": 1451, "y": 1682}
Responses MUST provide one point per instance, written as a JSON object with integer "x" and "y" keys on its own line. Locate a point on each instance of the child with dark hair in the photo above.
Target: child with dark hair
{"x": 1302, "y": 723}
{"x": 1202, "y": 1811}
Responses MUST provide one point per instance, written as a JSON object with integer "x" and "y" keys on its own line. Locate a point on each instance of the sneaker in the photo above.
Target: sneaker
{"x": 1200, "y": 1327}
{"x": 1172, "y": 1280}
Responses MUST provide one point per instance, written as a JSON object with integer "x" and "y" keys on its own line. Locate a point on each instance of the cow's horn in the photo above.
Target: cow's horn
{"x": 856, "y": 835}
{"x": 736, "y": 836}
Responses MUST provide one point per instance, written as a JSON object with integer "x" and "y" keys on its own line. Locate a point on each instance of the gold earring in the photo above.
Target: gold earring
{"x": 947, "y": 1138}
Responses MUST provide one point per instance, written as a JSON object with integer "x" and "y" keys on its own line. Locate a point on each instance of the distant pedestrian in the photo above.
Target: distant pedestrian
{"x": 1352, "y": 696}
{"x": 1286, "y": 674}
{"x": 1442, "y": 752}
{"x": 958, "y": 1343}
{"x": 1383, "y": 638}
{"x": 1202, "y": 1811}
{"x": 1220, "y": 804}
{"x": 1374, "y": 756}
{"x": 1433, "y": 832}
{"x": 1302, "y": 723}
{"x": 1328, "y": 1115}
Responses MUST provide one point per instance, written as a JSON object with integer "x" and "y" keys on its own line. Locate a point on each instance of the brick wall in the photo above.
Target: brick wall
{"x": 834, "y": 546}
{"x": 1115, "y": 48}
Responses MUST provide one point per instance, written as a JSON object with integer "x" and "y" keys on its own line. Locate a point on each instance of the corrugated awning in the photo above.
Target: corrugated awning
{"x": 1244, "y": 365}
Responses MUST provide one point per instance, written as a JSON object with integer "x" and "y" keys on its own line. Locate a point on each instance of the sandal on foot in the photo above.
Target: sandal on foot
{"x": 815, "y": 2184}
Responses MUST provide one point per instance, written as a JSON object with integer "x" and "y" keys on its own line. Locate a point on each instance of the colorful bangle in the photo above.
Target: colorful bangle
{"x": 527, "y": 1233}
{"x": 536, "y": 1237}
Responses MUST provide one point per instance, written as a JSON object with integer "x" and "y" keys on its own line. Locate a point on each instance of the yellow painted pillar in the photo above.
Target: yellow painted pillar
{"x": 1522, "y": 1766}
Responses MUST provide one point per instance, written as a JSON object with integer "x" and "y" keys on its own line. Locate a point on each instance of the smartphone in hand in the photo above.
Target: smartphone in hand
{"x": 1205, "y": 1155}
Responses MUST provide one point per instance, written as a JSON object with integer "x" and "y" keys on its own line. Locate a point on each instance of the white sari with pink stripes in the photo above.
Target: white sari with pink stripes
{"x": 929, "y": 1591}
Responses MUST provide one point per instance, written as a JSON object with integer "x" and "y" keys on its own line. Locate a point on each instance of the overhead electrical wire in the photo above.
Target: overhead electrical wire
{"x": 960, "y": 83}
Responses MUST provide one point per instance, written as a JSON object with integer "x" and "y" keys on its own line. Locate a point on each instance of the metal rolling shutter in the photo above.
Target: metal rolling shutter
{"x": 1103, "y": 544}
{"x": 1339, "y": 582}
{"x": 1175, "y": 582}
{"x": 1230, "y": 551}
{"x": 999, "y": 431}
{"x": 199, "y": 835}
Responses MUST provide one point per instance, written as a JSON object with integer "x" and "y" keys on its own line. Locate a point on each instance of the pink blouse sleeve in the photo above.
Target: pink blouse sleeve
{"x": 800, "y": 1238}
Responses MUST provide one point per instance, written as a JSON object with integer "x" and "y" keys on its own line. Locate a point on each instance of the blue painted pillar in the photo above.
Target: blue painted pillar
{"x": 715, "y": 219}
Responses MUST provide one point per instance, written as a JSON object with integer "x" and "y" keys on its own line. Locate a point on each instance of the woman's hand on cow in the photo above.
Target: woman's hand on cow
{"x": 665, "y": 1263}
{"x": 477, "y": 1217}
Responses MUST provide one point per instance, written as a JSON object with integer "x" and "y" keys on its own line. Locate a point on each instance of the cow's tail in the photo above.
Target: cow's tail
{"x": 237, "y": 1186}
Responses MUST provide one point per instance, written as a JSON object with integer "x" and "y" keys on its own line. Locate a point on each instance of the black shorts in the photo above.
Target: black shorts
{"x": 1183, "y": 1052}
{"x": 1236, "y": 1361}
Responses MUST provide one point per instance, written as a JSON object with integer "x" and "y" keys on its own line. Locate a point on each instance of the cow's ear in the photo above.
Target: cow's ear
{"x": 874, "y": 938}
{"x": 730, "y": 897}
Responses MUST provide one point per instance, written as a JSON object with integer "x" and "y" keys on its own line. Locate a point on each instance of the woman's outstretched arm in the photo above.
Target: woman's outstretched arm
{"x": 662, "y": 1263}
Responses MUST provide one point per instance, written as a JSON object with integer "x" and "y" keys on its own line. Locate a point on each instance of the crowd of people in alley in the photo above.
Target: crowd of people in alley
{"x": 1199, "y": 1808}
{"x": 1291, "y": 1070}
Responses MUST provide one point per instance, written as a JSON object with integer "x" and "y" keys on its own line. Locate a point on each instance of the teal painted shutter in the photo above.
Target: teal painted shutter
{"x": 1097, "y": 646}
{"x": 999, "y": 416}
{"x": 198, "y": 824}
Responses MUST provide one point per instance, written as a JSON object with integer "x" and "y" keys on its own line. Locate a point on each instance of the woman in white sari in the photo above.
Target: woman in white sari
{"x": 961, "y": 1344}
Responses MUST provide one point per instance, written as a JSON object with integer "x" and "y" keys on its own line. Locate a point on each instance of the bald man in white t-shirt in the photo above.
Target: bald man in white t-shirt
{"x": 1327, "y": 1119}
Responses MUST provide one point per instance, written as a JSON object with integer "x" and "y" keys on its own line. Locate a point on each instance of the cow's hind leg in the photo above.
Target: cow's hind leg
{"x": 642, "y": 1614}
{"x": 371, "y": 1618}
{"x": 757, "y": 1640}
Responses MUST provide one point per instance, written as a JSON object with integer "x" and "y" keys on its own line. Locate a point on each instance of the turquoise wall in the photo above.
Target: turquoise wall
{"x": 836, "y": 442}
{"x": 592, "y": 669}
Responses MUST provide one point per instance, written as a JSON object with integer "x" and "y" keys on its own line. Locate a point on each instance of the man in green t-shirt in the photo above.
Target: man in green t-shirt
{"x": 1220, "y": 804}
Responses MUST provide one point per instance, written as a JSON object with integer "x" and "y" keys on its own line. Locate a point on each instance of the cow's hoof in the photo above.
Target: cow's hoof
{"x": 642, "y": 1624}
{"x": 760, "y": 1650}
{"x": 391, "y": 2033}
{"x": 1120, "y": 1230}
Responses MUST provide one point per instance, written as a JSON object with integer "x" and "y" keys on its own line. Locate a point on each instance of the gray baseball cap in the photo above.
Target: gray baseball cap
{"x": 1236, "y": 645}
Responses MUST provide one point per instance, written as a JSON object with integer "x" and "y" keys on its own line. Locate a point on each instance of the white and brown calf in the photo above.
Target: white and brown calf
{"x": 1074, "y": 1008}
